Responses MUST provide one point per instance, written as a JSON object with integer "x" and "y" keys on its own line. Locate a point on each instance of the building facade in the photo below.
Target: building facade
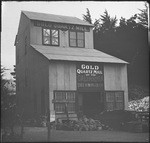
{"x": 57, "y": 68}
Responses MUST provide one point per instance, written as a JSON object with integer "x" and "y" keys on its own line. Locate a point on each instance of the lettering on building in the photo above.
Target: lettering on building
{"x": 61, "y": 26}
{"x": 90, "y": 76}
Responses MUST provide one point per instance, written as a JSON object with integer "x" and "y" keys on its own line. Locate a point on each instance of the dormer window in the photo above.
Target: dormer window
{"x": 50, "y": 37}
{"x": 76, "y": 39}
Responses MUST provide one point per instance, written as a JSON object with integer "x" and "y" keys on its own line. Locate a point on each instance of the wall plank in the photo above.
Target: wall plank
{"x": 52, "y": 76}
{"x": 124, "y": 83}
{"x": 115, "y": 78}
{"x": 67, "y": 76}
{"x": 60, "y": 76}
{"x": 112, "y": 77}
{"x": 73, "y": 76}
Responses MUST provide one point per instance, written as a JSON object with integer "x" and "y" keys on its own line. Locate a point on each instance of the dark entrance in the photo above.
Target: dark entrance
{"x": 92, "y": 103}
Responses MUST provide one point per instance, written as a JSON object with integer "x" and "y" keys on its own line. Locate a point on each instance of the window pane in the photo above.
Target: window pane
{"x": 80, "y": 43}
{"x": 70, "y": 96}
{"x": 71, "y": 107}
{"x": 110, "y": 106}
{"x": 109, "y": 96}
{"x": 80, "y": 35}
{"x": 72, "y": 35}
{"x": 60, "y": 96}
{"x": 119, "y": 106}
{"x": 46, "y": 40}
{"x": 119, "y": 96}
{"x": 59, "y": 107}
{"x": 54, "y": 41}
{"x": 54, "y": 33}
{"x": 72, "y": 42}
{"x": 46, "y": 32}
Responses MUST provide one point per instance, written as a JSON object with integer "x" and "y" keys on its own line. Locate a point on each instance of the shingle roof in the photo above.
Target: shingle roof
{"x": 76, "y": 54}
{"x": 55, "y": 18}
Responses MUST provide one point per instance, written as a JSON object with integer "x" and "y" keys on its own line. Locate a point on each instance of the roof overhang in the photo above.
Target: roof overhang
{"x": 76, "y": 54}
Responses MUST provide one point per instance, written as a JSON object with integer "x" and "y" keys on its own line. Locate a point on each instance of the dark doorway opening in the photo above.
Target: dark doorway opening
{"x": 92, "y": 103}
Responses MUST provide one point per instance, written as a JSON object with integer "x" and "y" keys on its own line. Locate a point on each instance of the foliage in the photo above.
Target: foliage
{"x": 82, "y": 124}
{"x": 4, "y": 89}
{"x": 107, "y": 23}
{"x": 87, "y": 17}
{"x": 14, "y": 73}
{"x": 143, "y": 16}
{"x": 8, "y": 103}
{"x": 127, "y": 41}
{"x": 37, "y": 121}
{"x": 139, "y": 105}
{"x": 137, "y": 92}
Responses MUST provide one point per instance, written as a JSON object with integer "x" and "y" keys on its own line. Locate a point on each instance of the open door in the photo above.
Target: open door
{"x": 92, "y": 103}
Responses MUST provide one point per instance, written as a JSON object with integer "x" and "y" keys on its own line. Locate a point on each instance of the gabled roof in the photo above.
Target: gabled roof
{"x": 55, "y": 18}
{"x": 76, "y": 54}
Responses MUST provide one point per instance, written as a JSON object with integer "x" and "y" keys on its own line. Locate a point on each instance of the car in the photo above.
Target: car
{"x": 117, "y": 118}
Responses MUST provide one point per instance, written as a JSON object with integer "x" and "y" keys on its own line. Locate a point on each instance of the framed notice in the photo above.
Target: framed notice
{"x": 90, "y": 76}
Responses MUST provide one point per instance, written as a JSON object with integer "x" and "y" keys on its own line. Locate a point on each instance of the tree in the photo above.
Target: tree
{"x": 143, "y": 16}
{"x": 8, "y": 103}
{"x": 107, "y": 23}
{"x": 104, "y": 33}
{"x": 96, "y": 26}
{"x": 87, "y": 17}
{"x": 4, "y": 89}
{"x": 14, "y": 73}
{"x": 128, "y": 41}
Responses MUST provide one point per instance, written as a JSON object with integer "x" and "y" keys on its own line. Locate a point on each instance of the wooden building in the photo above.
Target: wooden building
{"x": 57, "y": 68}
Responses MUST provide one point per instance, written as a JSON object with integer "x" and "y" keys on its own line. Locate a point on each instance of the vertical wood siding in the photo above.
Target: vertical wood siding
{"x": 62, "y": 76}
{"x": 37, "y": 80}
{"x": 89, "y": 39}
{"x": 36, "y": 37}
{"x": 115, "y": 78}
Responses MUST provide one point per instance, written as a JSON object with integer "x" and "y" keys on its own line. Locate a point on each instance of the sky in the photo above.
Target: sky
{"x": 11, "y": 11}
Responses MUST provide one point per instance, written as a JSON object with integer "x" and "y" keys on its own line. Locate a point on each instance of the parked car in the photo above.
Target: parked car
{"x": 117, "y": 118}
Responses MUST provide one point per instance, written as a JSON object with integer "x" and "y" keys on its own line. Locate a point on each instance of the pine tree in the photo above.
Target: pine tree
{"x": 87, "y": 17}
{"x": 143, "y": 16}
{"x": 107, "y": 23}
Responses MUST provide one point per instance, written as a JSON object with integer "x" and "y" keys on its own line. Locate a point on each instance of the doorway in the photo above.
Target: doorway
{"x": 92, "y": 103}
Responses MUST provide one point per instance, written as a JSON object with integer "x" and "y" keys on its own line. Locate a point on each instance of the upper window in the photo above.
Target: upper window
{"x": 50, "y": 37}
{"x": 76, "y": 39}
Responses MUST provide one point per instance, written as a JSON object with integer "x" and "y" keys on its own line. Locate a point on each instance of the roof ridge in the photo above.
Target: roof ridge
{"x": 47, "y": 13}
{"x": 55, "y": 18}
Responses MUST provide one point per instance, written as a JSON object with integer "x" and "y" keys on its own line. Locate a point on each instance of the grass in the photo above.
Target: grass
{"x": 37, "y": 134}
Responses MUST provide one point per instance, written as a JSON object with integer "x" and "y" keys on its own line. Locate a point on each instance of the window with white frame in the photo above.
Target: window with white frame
{"x": 50, "y": 37}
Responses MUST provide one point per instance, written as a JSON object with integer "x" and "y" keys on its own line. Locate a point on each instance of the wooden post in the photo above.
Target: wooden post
{"x": 22, "y": 126}
{"x": 66, "y": 111}
{"x": 48, "y": 125}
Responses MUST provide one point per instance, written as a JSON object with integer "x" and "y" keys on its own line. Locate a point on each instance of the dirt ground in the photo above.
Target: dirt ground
{"x": 36, "y": 134}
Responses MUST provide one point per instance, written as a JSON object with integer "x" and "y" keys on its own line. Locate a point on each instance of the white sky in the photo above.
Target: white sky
{"x": 11, "y": 15}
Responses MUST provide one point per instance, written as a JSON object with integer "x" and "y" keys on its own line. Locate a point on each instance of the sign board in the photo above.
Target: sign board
{"x": 90, "y": 76}
{"x": 61, "y": 26}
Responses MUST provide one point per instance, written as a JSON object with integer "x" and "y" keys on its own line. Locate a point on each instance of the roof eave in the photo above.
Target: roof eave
{"x": 88, "y": 24}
